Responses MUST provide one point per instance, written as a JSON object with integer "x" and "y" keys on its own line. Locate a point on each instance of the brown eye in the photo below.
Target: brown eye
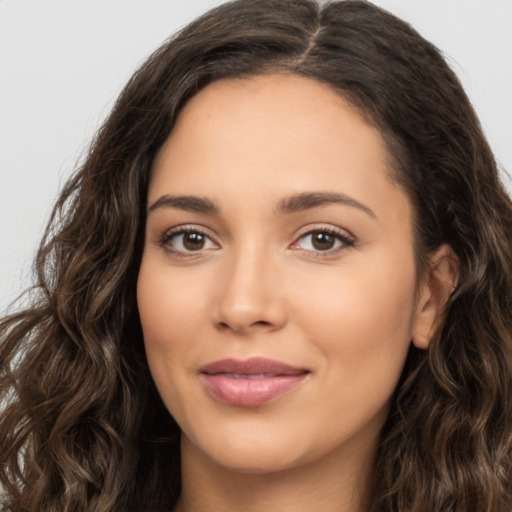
{"x": 187, "y": 241}
{"x": 193, "y": 241}
{"x": 322, "y": 241}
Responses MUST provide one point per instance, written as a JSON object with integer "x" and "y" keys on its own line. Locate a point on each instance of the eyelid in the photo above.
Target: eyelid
{"x": 345, "y": 237}
{"x": 184, "y": 229}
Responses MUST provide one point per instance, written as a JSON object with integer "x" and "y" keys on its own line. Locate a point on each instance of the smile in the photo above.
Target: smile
{"x": 252, "y": 382}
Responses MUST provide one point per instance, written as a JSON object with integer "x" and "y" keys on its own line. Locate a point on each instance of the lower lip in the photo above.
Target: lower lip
{"x": 250, "y": 392}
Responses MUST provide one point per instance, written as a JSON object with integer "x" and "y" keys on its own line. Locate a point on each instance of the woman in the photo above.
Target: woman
{"x": 281, "y": 279}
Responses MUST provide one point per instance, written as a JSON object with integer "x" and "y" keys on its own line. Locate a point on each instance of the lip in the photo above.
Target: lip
{"x": 251, "y": 382}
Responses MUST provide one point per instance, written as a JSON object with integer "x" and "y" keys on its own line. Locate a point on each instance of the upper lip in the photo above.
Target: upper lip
{"x": 251, "y": 366}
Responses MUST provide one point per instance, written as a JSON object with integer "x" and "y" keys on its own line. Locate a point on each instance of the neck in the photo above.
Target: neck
{"x": 331, "y": 484}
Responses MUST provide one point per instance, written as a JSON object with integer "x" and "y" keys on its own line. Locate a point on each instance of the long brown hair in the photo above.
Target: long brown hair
{"x": 82, "y": 426}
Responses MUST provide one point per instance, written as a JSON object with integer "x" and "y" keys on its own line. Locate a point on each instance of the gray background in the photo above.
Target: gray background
{"x": 63, "y": 62}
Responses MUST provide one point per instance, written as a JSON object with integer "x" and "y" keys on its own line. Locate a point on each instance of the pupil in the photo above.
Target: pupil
{"x": 193, "y": 241}
{"x": 323, "y": 241}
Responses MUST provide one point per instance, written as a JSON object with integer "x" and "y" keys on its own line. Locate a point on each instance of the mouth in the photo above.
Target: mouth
{"x": 251, "y": 382}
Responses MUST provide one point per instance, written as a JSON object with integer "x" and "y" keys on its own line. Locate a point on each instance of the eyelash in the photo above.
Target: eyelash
{"x": 346, "y": 241}
{"x": 182, "y": 230}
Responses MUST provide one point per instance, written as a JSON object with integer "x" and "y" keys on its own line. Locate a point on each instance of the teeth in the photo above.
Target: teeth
{"x": 250, "y": 376}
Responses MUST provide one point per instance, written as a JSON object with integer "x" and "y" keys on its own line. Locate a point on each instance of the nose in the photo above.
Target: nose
{"x": 251, "y": 297}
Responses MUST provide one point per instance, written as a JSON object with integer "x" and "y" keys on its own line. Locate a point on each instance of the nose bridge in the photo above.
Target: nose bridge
{"x": 249, "y": 290}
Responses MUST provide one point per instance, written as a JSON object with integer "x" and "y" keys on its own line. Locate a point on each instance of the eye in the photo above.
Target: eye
{"x": 323, "y": 240}
{"x": 187, "y": 240}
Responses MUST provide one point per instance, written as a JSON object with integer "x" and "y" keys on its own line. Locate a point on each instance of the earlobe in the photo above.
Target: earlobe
{"x": 439, "y": 281}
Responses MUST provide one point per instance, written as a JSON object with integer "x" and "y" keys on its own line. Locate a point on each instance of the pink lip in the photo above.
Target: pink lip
{"x": 250, "y": 382}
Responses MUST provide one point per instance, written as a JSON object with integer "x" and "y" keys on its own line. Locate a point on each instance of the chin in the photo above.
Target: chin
{"x": 246, "y": 453}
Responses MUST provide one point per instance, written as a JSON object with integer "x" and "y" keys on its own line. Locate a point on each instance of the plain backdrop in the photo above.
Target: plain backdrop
{"x": 63, "y": 62}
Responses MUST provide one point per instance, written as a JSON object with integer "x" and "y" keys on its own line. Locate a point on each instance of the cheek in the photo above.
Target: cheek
{"x": 361, "y": 322}
{"x": 359, "y": 312}
{"x": 168, "y": 312}
{"x": 169, "y": 307}
{"x": 169, "y": 315}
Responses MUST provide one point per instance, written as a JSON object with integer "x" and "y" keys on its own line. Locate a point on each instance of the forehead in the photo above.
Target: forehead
{"x": 274, "y": 134}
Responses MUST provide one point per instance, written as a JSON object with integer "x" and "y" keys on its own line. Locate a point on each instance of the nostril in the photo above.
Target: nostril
{"x": 263, "y": 323}
{"x": 226, "y": 325}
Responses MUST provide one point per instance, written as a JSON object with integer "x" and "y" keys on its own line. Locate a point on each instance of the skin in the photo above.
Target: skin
{"x": 260, "y": 287}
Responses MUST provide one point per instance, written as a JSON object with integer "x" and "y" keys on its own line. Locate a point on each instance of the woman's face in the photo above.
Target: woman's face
{"x": 276, "y": 290}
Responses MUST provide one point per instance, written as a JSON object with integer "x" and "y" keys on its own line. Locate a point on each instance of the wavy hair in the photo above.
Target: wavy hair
{"x": 82, "y": 426}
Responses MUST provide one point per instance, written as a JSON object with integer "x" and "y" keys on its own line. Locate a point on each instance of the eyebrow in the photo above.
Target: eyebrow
{"x": 292, "y": 204}
{"x": 187, "y": 203}
{"x": 307, "y": 200}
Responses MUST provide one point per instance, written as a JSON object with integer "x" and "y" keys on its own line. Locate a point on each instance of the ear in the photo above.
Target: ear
{"x": 436, "y": 286}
